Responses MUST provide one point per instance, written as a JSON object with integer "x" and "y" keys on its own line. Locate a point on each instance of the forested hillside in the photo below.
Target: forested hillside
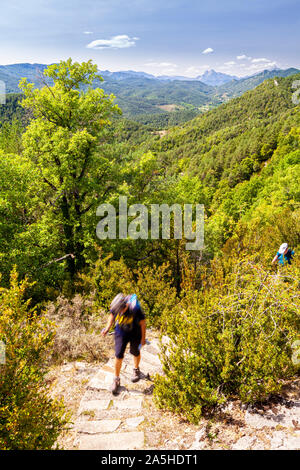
{"x": 238, "y": 87}
{"x": 159, "y": 102}
{"x": 224, "y": 308}
{"x": 231, "y": 157}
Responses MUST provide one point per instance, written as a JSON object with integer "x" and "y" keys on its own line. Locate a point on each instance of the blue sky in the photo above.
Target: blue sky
{"x": 174, "y": 37}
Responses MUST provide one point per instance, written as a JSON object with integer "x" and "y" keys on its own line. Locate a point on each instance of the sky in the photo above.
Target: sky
{"x": 161, "y": 37}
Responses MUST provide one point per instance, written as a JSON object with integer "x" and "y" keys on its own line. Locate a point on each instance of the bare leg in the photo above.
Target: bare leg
{"x": 136, "y": 361}
{"x": 118, "y": 365}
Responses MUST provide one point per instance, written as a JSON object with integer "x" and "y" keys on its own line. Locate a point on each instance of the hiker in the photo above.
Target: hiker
{"x": 284, "y": 254}
{"x": 130, "y": 327}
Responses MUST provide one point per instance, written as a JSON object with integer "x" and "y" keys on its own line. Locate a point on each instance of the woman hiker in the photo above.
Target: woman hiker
{"x": 284, "y": 254}
{"x": 130, "y": 327}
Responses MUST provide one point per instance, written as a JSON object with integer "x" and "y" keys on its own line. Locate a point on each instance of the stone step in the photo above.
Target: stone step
{"x": 153, "y": 347}
{"x": 132, "y": 403}
{"x": 112, "y": 441}
{"x": 93, "y": 405}
{"x": 102, "y": 381}
{"x": 111, "y": 414}
{"x": 134, "y": 422}
{"x": 99, "y": 426}
{"x": 150, "y": 358}
{"x": 103, "y": 418}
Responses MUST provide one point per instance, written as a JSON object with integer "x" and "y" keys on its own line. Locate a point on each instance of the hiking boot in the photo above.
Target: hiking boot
{"x": 115, "y": 386}
{"x": 136, "y": 375}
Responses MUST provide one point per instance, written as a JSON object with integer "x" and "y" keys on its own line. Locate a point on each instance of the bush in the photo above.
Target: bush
{"x": 232, "y": 340}
{"x": 152, "y": 286}
{"x": 106, "y": 279}
{"x": 29, "y": 419}
{"x": 78, "y": 330}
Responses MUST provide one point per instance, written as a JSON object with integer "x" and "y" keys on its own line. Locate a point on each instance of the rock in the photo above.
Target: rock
{"x": 151, "y": 358}
{"x": 259, "y": 445}
{"x": 80, "y": 366}
{"x": 100, "y": 426}
{"x": 112, "y": 441}
{"x": 244, "y": 443}
{"x": 129, "y": 404}
{"x": 277, "y": 440}
{"x": 97, "y": 424}
{"x": 200, "y": 435}
{"x": 94, "y": 405}
{"x": 67, "y": 367}
{"x": 292, "y": 442}
{"x": 284, "y": 416}
{"x": 134, "y": 422}
{"x": 227, "y": 407}
{"x": 97, "y": 383}
{"x": 197, "y": 445}
{"x": 108, "y": 368}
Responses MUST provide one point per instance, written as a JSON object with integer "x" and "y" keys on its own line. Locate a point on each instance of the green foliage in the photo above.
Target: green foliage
{"x": 259, "y": 213}
{"x": 223, "y": 314}
{"x": 29, "y": 418}
{"x": 12, "y": 110}
{"x": 63, "y": 142}
{"x": 152, "y": 285}
{"x": 238, "y": 87}
{"x": 10, "y": 136}
{"x": 141, "y": 97}
{"x": 233, "y": 339}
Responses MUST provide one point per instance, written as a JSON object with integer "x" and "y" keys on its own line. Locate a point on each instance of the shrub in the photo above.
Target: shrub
{"x": 29, "y": 418}
{"x": 233, "y": 340}
{"x": 152, "y": 285}
{"x": 78, "y": 330}
{"x": 106, "y": 279}
{"x": 154, "y": 288}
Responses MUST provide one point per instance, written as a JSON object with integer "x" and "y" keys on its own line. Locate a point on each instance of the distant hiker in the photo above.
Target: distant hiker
{"x": 284, "y": 254}
{"x": 130, "y": 327}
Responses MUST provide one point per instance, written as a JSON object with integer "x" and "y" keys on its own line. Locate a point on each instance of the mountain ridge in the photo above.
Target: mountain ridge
{"x": 144, "y": 97}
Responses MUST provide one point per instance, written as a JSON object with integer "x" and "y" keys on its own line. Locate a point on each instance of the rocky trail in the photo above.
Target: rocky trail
{"x": 107, "y": 422}
{"x": 131, "y": 420}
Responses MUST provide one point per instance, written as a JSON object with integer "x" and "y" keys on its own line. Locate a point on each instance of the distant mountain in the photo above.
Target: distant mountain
{"x": 125, "y": 74}
{"x": 140, "y": 94}
{"x": 210, "y": 77}
{"x": 175, "y": 77}
{"x": 238, "y": 87}
{"x": 213, "y": 78}
{"x": 23, "y": 70}
{"x": 12, "y": 74}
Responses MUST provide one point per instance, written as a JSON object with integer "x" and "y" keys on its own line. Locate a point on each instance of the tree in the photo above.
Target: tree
{"x": 64, "y": 140}
{"x": 29, "y": 418}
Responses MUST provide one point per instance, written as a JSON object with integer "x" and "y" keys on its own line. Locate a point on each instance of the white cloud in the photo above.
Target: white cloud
{"x": 162, "y": 68}
{"x": 209, "y": 50}
{"x": 243, "y": 57}
{"x": 260, "y": 60}
{"x": 161, "y": 64}
{"x": 88, "y": 32}
{"x": 248, "y": 66}
{"x": 194, "y": 70}
{"x": 116, "y": 42}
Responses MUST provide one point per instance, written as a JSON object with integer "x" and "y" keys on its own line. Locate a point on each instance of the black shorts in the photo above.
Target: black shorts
{"x": 121, "y": 342}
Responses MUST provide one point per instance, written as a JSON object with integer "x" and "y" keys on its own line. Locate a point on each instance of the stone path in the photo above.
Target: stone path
{"x": 108, "y": 422}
